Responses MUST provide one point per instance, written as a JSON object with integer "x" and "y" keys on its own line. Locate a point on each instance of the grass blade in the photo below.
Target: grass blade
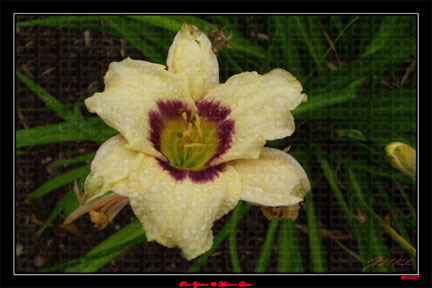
{"x": 374, "y": 63}
{"x": 96, "y": 260}
{"x": 333, "y": 185}
{"x": 386, "y": 227}
{"x": 388, "y": 27}
{"x": 233, "y": 238}
{"x": 59, "y": 20}
{"x": 129, "y": 236}
{"x": 264, "y": 256}
{"x": 318, "y": 259}
{"x": 61, "y": 132}
{"x": 58, "y": 182}
{"x": 320, "y": 101}
{"x": 91, "y": 23}
{"x": 300, "y": 25}
{"x": 351, "y": 133}
{"x": 74, "y": 118}
{"x": 289, "y": 259}
{"x": 70, "y": 195}
{"x": 49, "y": 100}
{"x": 78, "y": 159}
{"x": 384, "y": 172}
{"x": 218, "y": 239}
{"x": 283, "y": 252}
{"x": 290, "y": 51}
{"x": 107, "y": 250}
{"x": 351, "y": 221}
{"x": 125, "y": 30}
{"x": 392, "y": 208}
{"x": 376, "y": 241}
{"x": 408, "y": 202}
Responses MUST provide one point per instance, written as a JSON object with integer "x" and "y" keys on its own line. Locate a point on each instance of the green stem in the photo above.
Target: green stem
{"x": 266, "y": 248}
{"x": 387, "y": 228}
{"x": 408, "y": 202}
{"x": 233, "y": 239}
{"x": 399, "y": 239}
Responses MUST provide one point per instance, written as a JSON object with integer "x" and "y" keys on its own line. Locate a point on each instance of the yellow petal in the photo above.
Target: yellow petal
{"x": 402, "y": 157}
{"x": 260, "y": 106}
{"x": 191, "y": 53}
{"x": 180, "y": 213}
{"x": 132, "y": 89}
{"x": 275, "y": 179}
{"x": 110, "y": 169}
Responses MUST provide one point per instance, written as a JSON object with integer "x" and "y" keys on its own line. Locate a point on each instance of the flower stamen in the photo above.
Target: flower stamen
{"x": 194, "y": 145}
{"x": 187, "y": 131}
{"x": 176, "y": 154}
{"x": 184, "y": 115}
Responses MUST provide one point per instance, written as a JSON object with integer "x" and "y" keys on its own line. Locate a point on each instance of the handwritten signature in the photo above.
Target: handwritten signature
{"x": 197, "y": 284}
{"x": 381, "y": 261}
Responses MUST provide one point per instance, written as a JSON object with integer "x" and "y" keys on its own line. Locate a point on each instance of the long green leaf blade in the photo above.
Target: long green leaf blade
{"x": 59, "y": 181}
{"x": 374, "y": 63}
{"x": 264, "y": 256}
{"x": 388, "y": 27}
{"x": 78, "y": 159}
{"x": 289, "y": 47}
{"x": 233, "y": 239}
{"x": 301, "y": 26}
{"x": 126, "y": 31}
{"x": 49, "y": 100}
{"x": 117, "y": 243}
{"x": 57, "y": 210}
{"x": 59, "y": 20}
{"x": 61, "y": 132}
{"x": 289, "y": 258}
{"x": 320, "y": 101}
{"x": 76, "y": 119}
{"x": 318, "y": 259}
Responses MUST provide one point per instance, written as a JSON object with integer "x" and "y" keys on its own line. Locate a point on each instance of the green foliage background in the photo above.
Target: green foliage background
{"x": 360, "y": 75}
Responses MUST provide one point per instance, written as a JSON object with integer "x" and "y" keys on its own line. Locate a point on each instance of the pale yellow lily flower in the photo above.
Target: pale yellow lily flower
{"x": 190, "y": 148}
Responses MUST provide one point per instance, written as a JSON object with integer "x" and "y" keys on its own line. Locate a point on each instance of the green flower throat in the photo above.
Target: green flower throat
{"x": 189, "y": 143}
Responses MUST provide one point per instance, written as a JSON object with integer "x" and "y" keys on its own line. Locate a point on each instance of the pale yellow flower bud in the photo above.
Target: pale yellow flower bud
{"x": 402, "y": 157}
{"x": 191, "y": 53}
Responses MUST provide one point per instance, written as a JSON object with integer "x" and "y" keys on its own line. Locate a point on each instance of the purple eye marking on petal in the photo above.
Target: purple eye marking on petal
{"x": 177, "y": 174}
{"x": 156, "y": 125}
{"x": 217, "y": 114}
{"x": 212, "y": 112}
{"x": 200, "y": 177}
{"x": 168, "y": 110}
{"x": 206, "y": 175}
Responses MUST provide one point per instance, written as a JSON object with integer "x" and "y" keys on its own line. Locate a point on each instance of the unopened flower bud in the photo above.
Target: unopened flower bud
{"x": 402, "y": 157}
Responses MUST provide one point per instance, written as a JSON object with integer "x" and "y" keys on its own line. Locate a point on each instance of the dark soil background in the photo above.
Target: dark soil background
{"x": 70, "y": 65}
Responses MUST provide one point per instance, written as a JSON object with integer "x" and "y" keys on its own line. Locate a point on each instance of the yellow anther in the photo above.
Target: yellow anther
{"x": 197, "y": 124}
{"x": 194, "y": 145}
{"x": 184, "y": 115}
{"x": 187, "y": 132}
{"x": 197, "y": 118}
{"x": 188, "y": 139}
